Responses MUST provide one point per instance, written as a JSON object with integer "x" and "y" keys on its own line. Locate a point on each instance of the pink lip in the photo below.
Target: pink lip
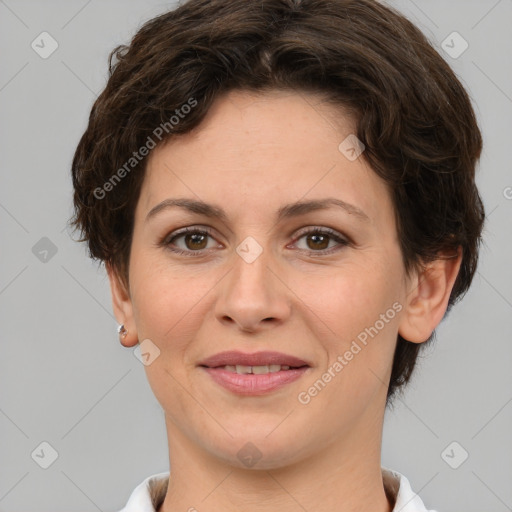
{"x": 253, "y": 384}
{"x": 233, "y": 357}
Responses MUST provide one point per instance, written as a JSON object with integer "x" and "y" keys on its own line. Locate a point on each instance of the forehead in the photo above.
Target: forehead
{"x": 258, "y": 150}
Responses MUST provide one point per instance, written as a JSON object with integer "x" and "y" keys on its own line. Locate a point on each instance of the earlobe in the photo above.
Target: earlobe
{"x": 123, "y": 308}
{"x": 428, "y": 296}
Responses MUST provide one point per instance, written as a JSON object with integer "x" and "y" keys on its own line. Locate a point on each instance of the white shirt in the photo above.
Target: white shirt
{"x": 405, "y": 499}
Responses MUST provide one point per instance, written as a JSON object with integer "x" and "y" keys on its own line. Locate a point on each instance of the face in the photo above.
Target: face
{"x": 324, "y": 284}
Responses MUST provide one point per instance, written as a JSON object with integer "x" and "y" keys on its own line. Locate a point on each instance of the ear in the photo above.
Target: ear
{"x": 122, "y": 305}
{"x": 428, "y": 297}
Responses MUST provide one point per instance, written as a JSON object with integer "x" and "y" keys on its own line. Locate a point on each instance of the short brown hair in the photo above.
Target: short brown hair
{"x": 413, "y": 116}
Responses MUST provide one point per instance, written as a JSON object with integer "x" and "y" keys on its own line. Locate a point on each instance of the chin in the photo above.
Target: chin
{"x": 260, "y": 451}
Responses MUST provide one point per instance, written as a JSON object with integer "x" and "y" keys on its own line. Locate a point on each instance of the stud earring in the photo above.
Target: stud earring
{"x": 122, "y": 331}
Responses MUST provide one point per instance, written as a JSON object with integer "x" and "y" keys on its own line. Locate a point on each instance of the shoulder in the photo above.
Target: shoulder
{"x": 406, "y": 500}
{"x": 149, "y": 494}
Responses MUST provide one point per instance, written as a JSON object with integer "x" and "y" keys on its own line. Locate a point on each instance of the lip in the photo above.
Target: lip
{"x": 254, "y": 384}
{"x": 234, "y": 357}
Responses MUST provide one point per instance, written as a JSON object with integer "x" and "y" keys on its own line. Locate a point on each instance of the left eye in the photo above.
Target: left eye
{"x": 317, "y": 240}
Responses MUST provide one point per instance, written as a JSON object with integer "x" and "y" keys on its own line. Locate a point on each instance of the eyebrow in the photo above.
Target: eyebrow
{"x": 285, "y": 212}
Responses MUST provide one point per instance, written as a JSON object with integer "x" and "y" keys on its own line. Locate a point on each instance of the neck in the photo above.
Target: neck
{"x": 337, "y": 477}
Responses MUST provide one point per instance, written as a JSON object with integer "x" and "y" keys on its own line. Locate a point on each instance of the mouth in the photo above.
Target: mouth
{"x": 256, "y": 360}
{"x": 254, "y": 374}
{"x": 256, "y": 370}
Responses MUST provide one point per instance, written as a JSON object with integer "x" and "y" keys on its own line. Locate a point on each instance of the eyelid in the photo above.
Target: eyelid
{"x": 340, "y": 239}
{"x": 189, "y": 229}
{"x": 323, "y": 230}
{"x": 197, "y": 228}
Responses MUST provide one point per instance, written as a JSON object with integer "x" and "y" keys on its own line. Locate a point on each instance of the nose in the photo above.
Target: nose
{"x": 253, "y": 296}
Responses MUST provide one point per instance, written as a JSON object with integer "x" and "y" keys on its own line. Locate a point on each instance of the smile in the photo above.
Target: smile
{"x": 254, "y": 380}
{"x": 258, "y": 370}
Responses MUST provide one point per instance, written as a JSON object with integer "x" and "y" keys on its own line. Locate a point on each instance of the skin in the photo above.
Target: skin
{"x": 253, "y": 154}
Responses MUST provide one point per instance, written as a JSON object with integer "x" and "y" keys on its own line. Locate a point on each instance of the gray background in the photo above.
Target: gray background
{"x": 66, "y": 380}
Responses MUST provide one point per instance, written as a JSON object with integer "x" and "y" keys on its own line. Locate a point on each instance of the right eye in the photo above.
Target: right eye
{"x": 193, "y": 239}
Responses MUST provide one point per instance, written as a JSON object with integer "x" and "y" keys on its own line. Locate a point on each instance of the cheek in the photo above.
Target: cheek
{"x": 345, "y": 301}
{"x": 169, "y": 308}
{"x": 356, "y": 324}
{"x": 169, "y": 302}
{"x": 159, "y": 300}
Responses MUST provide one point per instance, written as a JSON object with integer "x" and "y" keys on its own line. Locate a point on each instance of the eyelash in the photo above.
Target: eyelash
{"x": 334, "y": 235}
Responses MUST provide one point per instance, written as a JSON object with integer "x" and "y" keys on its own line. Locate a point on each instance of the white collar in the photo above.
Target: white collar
{"x": 406, "y": 500}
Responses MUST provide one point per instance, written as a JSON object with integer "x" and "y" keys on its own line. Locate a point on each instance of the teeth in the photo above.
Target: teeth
{"x": 258, "y": 370}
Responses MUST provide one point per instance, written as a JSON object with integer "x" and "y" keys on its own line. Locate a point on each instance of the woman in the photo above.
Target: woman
{"x": 283, "y": 195}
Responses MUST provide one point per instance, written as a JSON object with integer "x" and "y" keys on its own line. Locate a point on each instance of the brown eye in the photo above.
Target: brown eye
{"x": 195, "y": 241}
{"x": 321, "y": 241}
{"x": 189, "y": 241}
{"x": 318, "y": 241}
